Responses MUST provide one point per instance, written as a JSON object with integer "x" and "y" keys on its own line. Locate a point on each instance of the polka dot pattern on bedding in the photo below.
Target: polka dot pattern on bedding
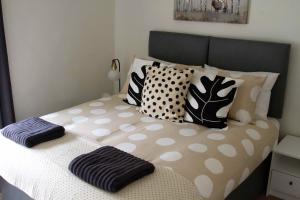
{"x": 206, "y": 157}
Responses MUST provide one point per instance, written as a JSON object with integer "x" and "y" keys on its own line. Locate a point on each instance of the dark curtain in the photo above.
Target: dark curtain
{"x": 6, "y": 101}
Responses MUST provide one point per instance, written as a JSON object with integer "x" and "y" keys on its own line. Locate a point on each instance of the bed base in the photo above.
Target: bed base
{"x": 254, "y": 186}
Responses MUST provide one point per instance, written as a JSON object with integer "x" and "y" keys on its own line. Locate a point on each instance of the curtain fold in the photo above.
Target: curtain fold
{"x": 6, "y": 100}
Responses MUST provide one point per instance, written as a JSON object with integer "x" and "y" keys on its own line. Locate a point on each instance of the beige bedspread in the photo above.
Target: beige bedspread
{"x": 193, "y": 162}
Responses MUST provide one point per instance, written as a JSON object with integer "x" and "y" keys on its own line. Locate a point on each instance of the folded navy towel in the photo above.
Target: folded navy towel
{"x": 109, "y": 168}
{"x": 33, "y": 131}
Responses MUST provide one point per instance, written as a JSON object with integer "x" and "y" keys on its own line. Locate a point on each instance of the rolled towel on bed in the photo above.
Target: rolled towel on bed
{"x": 109, "y": 168}
{"x": 33, "y": 131}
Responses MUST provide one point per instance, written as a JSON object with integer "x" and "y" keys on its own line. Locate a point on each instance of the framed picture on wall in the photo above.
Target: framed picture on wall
{"x": 226, "y": 11}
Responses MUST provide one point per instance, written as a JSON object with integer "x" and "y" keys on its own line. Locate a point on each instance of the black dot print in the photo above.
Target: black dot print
{"x": 164, "y": 94}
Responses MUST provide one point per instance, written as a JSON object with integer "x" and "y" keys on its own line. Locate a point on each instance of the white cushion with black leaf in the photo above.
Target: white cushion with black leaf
{"x": 209, "y": 99}
{"x": 137, "y": 80}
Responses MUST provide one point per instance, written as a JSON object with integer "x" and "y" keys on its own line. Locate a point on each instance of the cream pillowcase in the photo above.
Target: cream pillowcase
{"x": 244, "y": 106}
{"x": 264, "y": 96}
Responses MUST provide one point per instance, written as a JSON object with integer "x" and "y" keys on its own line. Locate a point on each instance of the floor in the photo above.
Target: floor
{"x": 262, "y": 198}
{"x": 268, "y": 198}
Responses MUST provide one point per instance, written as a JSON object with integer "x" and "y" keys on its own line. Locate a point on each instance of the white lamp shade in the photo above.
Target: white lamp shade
{"x": 113, "y": 75}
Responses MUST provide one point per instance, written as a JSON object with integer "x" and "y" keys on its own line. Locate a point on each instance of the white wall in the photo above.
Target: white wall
{"x": 59, "y": 52}
{"x": 271, "y": 20}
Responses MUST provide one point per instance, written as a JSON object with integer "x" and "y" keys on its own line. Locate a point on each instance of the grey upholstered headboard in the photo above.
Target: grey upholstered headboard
{"x": 232, "y": 54}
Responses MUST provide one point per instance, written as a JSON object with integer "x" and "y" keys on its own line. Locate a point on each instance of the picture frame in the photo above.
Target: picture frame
{"x": 225, "y": 11}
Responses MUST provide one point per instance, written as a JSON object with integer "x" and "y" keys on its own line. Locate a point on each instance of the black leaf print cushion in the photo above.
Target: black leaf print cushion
{"x": 209, "y": 100}
{"x": 137, "y": 80}
{"x": 134, "y": 95}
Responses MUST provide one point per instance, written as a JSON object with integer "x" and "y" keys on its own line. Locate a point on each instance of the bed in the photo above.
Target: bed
{"x": 238, "y": 173}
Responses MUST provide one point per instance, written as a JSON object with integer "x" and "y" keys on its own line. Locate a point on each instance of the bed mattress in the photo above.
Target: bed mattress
{"x": 192, "y": 162}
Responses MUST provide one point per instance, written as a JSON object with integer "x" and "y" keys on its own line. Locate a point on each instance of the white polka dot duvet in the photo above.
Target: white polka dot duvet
{"x": 192, "y": 162}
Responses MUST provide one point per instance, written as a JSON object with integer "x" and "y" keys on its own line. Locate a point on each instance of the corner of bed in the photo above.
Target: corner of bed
{"x": 231, "y": 54}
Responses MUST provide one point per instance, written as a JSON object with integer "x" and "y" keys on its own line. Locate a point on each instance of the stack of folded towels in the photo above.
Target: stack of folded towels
{"x": 109, "y": 168}
{"x": 33, "y": 131}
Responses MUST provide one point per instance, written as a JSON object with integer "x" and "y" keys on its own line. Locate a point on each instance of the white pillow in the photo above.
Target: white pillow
{"x": 149, "y": 60}
{"x": 139, "y": 62}
{"x": 263, "y": 101}
{"x": 137, "y": 76}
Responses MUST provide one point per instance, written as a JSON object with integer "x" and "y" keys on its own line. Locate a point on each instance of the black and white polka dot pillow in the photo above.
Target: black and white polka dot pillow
{"x": 164, "y": 93}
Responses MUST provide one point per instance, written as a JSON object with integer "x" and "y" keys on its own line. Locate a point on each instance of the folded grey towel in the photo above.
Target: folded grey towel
{"x": 109, "y": 168}
{"x": 33, "y": 131}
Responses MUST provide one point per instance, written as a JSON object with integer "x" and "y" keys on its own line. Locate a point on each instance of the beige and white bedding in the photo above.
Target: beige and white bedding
{"x": 192, "y": 162}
